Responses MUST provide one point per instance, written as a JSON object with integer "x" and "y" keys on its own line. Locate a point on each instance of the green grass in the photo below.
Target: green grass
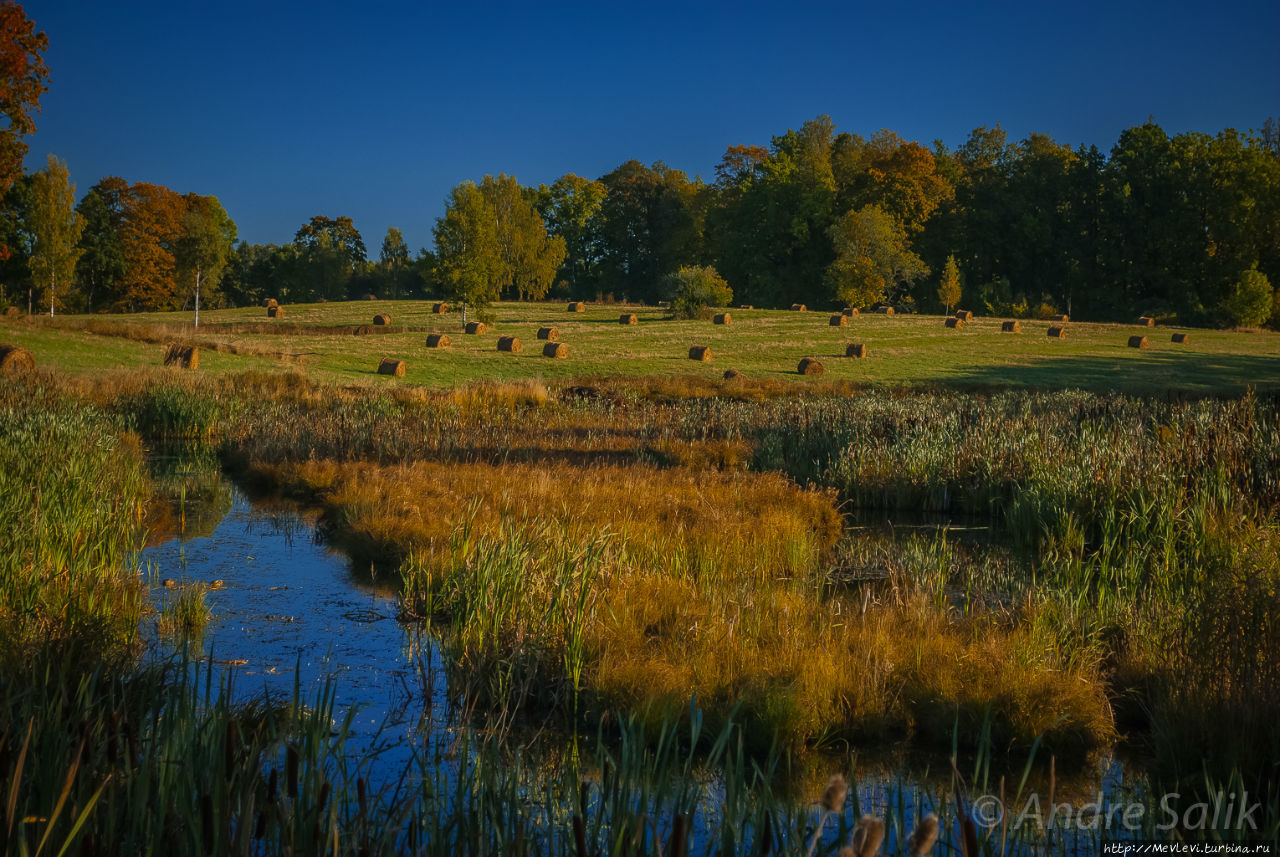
{"x": 764, "y": 344}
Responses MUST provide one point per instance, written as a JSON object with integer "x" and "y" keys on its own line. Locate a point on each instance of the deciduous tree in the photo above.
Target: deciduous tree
{"x": 22, "y": 81}
{"x": 528, "y": 255}
{"x": 55, "y": 229}
{"x": 872, "y": 258}
{"x": 949, "y": 284}
{"x": 102, "y": 266}
{"x": 571, "y": 209}
{"x": 394, "y": 259}
{"x": 468, "y": 262}
{"x": 200, "y": 255}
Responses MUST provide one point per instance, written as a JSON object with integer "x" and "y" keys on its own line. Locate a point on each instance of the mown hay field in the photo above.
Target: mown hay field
{"x": 762, "y": 344}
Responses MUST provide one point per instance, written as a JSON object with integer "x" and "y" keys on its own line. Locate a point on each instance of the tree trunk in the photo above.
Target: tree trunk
{"x": 52, "y": 283}
{"x": 197, "y": 299}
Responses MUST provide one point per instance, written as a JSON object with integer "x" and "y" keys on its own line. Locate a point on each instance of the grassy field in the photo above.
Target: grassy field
{"x": 763, "y": 344}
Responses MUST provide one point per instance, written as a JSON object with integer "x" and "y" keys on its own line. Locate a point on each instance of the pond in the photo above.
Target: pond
{"x": 289, "y": 614}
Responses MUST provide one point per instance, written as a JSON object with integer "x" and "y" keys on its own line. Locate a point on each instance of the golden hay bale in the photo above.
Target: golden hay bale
{"x": 184, "y": 356}
{"x": 855, "y": 349}
{"x": 799, "y": 308}
{"x": 1181, "y": 338}
{"x": 746, "y": 306}
{"x": 1064, "y": 318}
{"x": 475, "y": 328}
{"x": 885, "y": 310}
{"x": 275, "y": 311}
{"x": 439, "y": 340}
{"x": 510, "y": 343}
{"x": 722, "y": 318}
{"x": 362, "y": 330}
{"x": 1138, "y": 342}
{"x": 577, "y": 306}
{"x": 841, "y": 320}
{"x": 1011, "y": 327}
{"x": 371, "y": 297}
{"x": 550, "y": 334}
{"x": 733, "y": 375}
{"x": 810, "y": 366}
{"x": 955, "y": 323}
{"x": 440, "y": 308}
{"x": 555, "y": 349}
{"x": 1146, "y": 321}
{"x": 15, "y": 358}
{"x": 850, "y": 311}
{"x": 12, "y": 312}
{"x": 1057, "y": 333}
{"x": 628, "y": 318}
{"x": 382, "y": 318}
{"x": 701, "y": 353}
{"x": 964, "y": 315}
{"x": 270, "y": 302}
{"x": 388, "y": 366}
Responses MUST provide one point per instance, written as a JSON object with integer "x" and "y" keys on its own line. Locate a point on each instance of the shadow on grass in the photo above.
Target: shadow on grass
{"x": 1137, "y": 372}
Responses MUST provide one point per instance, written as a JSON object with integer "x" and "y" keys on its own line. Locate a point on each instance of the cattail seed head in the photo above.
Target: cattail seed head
{"x": 835, "y": 793}
{"x": 868, "y": 836}
{"x": 923, "y": 837}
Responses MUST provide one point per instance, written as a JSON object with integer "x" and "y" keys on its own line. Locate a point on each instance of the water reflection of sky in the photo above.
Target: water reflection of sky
{"x": 287, "y": 609}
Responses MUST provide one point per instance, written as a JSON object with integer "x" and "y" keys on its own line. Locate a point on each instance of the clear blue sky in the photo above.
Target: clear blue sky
{"x": 375, "y": 110}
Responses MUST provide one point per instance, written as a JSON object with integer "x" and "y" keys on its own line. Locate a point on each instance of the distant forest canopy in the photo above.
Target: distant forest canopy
{"x": 1184, "y": 227}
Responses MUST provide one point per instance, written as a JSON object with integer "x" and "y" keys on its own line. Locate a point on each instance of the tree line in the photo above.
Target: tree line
{"x": 1184, "y": 226}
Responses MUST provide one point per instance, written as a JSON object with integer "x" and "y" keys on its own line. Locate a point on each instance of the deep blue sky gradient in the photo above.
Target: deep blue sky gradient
{"x": 375, "y": 110}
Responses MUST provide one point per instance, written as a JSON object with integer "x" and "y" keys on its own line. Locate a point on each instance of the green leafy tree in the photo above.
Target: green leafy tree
{"x": 208, "y": 236}
{"x": 468, "y": 260}
{"x": 571, "y": 208}
{"x": 872, "y": 258}
{"x": 949, "y": 285}
{"x": 55, "y": 230}
{"x": 394, "y": 259}
{"x": 102, "y": 266}
{"x": 694, "y": 288}
{"x": 22, "y": 81}
{"x": 1249, "y": 304}
{"x": 649, "y": 227}
{"x": 529, "y": 256}
{"x": 333, "y": 251}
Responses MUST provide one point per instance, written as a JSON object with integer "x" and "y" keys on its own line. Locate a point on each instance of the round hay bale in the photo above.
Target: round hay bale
{"x": 855, "y": 349}
{"x": 1057, "y": 333}
{"x": 440, "y": 308}
{"x": 850, "y": 311}
{"x": 722, "y": 318}
{"x": 182, "y": 356}
{"x": 475, "y": 328}
{"x": 275, "y": 311}
{"x": 810, "y": 366}
{"x": 840, "y": 320}
{"x": 371, "y": 297}
{"x": 1010, "y": 327}
{"x": 746, "y": 306}
{"x": 1181, "y": 338}
{"x": 270, "y": 302}
{"x": 701, "y": 353}
{"x": 390, "y": 366}
{"x": 550, "y": 334}
{"x": 15, "y": 358}
{"x": 1146, "y": 321}
{"x": 510, "y": 343}
{"x": 577, "y": 306}
{"x": 885, "y": 310}
{"x": 799, "y": 308}
{"x": 1138, "y": 342}
{"x": 439, "y": 340}
{"x": 955, "y": 323}
{"x": 964, "y": 315}
{"x": 382, "y": 319}
{"x": 1064, "y": 318}
{"x": 557, "y": 350}
{"x": 733, "y": 375}
{"x": 628, "y": 318}
{"x": 362, "y": 330}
